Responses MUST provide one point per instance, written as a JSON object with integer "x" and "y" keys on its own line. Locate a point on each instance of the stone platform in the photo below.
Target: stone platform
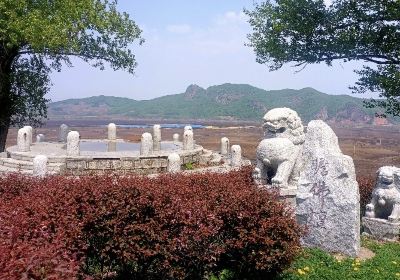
{"x": 381, "y": 229}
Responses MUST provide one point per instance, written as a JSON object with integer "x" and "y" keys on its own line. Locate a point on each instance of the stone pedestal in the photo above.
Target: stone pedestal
{"x": 381, "y": 229}
{"x": 175, "y": 138}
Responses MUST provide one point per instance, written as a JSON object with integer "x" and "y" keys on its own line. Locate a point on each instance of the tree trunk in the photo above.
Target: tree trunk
{"x": 6, "y": 60}
{"x": 3, "y": 136}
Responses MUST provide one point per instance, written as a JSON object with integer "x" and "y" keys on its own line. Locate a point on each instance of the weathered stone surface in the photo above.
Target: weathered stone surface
{"x": 328, "y": 200}
{"x": 40, "y": 138}
{"x": 112, "y": 132}
{"x": 381, "y": 229}
{"x": 156, "y": 137}
{"x": 236, "y": 156}
{"x": 278, "y": 155}
{"x": 188, "y": 127}
{"x": 188, "y": 143}
{"x": 23, "y": 140}
{"x": 174, "y": 163}
{"x": 40, "y": 165}
{"x": 64, "y": 129}
{"x": 146, "y": 144}
{"x": 73, "y": 140}
{"x": 175, "y": 138}
{"x": 224, "y": 146}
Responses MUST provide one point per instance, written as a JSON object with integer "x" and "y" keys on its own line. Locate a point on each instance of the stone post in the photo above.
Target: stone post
{"x": 73, "y": 140}
{"x": 23, "y": 140}
{"x": 188, "y": 127}
{"x": 156, "y": 137}
{"x": 40, "y": 166}
{"x": 146, "y": 145}
{"x": 174, "y": 163}
{"x": 224, "y": 146}
{"x": 30, "y": 134}
{"x": 112, "y": 132}
{"x": 175, "y": 138}
{"x": 236, "y": 160}
{"x": 40, "y": 138}
{"x": 188, "y": 140}
{"x": 63, "y": 133}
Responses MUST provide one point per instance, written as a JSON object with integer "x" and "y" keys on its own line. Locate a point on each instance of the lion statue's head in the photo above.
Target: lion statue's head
{"x": 284, "y": 123}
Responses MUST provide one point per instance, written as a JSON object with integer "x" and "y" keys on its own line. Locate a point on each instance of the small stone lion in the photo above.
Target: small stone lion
{"x": 277, "y": 155}
{"x": 385, "y": 203}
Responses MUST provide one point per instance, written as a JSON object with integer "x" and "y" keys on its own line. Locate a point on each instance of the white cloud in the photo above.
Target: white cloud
{"x": 232, "y": 17}
{"x": 179, "y": 28}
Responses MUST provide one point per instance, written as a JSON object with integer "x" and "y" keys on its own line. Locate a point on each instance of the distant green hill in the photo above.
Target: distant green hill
{"x": 222, "y": 102}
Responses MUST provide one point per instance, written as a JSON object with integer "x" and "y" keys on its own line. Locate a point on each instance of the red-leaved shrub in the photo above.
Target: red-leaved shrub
{"x": 366, "y": 186}
{"x": 167, "y": 227}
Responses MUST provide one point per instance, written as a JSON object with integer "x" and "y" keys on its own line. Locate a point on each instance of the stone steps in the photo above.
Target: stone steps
{"x": 29, "y": 157}
{"x": 5, "y": 169}
{"x": 22, "y": 165}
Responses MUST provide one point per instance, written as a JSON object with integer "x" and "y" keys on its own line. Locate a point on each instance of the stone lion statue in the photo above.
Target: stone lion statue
{"x": 385, "y": 203}
{"x": 277, "y": 155}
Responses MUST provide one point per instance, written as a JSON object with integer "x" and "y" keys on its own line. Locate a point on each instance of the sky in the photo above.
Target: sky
{"x": 193, "y": 42}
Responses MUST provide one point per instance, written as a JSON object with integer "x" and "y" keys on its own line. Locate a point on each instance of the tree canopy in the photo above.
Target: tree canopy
{"x": 308, "y": 31}
{"x": 40, "y": 36}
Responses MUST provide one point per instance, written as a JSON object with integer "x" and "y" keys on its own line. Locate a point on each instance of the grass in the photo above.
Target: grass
{"x": 316, "y": 264}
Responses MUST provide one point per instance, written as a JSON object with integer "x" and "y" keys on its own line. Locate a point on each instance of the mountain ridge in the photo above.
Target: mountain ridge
{"x": 221, "y": 102}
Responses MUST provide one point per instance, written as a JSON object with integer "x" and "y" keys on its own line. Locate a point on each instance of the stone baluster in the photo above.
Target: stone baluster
{"x": 174, "y": 163}
{"x": 188, "y": 140}
{"x": 236, "y": 156}
{"x": 146, "y": 145}
{"x": 112, "y": 132}
{"x": 63, "y": 133}
{"x": 224, "y": 146}
{"x": 73, "y": 148}
{"x": 23, "y": 140}
{"x": 156, "y": 137}
{"x": 40, "y": 165}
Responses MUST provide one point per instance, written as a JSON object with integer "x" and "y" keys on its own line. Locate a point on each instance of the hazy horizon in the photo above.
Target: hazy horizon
{"x": 199, "y": 43}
